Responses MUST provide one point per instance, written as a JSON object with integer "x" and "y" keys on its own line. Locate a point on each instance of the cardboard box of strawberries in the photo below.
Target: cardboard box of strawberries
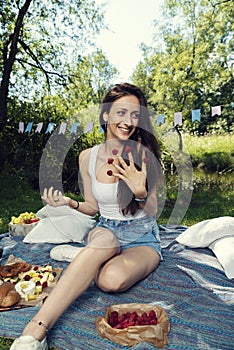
{"x": 130, "y": 324}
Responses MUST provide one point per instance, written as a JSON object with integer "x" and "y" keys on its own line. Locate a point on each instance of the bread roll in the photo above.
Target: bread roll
{"x": 8, "y": 295}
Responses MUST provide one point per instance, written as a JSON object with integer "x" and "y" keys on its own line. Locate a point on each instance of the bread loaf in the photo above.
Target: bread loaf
{"x": 8, "y": 295}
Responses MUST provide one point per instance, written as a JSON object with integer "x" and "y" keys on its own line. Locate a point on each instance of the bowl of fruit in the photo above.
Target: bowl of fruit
{"x": 22, "y": 224}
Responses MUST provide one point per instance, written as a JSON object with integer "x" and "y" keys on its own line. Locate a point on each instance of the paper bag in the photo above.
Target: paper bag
{"x": 156, "y": 334}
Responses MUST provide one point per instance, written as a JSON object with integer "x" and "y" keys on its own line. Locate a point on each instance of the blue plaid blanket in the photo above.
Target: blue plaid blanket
{"x": 189, "y": 284}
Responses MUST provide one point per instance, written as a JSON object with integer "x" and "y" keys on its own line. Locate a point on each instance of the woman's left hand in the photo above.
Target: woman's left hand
{"x": 55, "y": 197}
{"x": 135, "y": 179}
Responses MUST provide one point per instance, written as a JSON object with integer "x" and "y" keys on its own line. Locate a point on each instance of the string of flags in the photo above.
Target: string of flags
{"x": 160, "y": 119}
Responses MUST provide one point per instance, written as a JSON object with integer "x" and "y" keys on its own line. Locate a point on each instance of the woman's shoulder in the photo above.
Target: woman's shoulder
{"x": 85, "y": 154}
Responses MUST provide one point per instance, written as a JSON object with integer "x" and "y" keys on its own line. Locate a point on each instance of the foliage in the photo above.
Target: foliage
{"x": 49, "y": 32}
{"x": 191, "y": 65}
{"x": 40, "y": 41}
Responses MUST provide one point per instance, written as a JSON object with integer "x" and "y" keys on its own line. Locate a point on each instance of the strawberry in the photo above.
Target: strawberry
{"x": 33, "y": 220}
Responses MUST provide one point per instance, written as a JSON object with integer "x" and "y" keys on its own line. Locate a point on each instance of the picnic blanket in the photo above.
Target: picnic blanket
{"x": 189, "y": 284}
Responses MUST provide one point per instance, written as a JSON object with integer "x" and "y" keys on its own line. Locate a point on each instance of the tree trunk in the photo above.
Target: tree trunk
{"x": 9, "y": 56}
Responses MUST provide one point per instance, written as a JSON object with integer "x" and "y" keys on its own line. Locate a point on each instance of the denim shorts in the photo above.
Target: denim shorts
{"x": 134, "y": 233}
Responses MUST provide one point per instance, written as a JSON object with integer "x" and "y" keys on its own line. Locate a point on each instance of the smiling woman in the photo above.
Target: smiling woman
{"x": 124, "y": 246}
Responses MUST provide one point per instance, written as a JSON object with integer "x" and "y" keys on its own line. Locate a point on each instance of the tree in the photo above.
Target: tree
{"x": 192, "y": 62}
{"x": 39, "y": 42}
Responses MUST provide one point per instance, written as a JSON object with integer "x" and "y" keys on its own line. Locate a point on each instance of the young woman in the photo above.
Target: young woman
{"x": 120, "y": 178}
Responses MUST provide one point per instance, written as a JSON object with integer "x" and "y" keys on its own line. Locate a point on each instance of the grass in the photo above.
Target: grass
{"x": 214, "y": 152}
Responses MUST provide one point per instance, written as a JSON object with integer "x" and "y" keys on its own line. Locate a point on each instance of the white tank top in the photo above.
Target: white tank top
{"x": 106, "y": 194}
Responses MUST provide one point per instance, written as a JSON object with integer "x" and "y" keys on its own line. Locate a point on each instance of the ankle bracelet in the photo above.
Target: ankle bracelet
{"x": 40, "y": 324}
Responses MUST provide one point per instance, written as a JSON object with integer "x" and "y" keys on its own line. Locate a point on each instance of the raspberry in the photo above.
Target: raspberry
{"x": 146, "y": 160}
{"x": 152, "y": 314}
{"x": 27, "y": 277}
{"x": 153, "y": 322}
{"x": 112, "y": 321}
{"x": 122, "y": 318}
{"x": 110, "y": 160}
{"x": 130, "y": 319}
{"x": 109, "y": 172}
{"x": 35, "y": 268}
{"x": 115, "y": 152}
{"x": 118, "y": 326}
{"x": 128, "y": 149}
{"x": 115, "y": 314}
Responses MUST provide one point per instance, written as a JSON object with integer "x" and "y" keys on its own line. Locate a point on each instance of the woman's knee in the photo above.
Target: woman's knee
{"x": 111, "y": 279}
{"x": 103, "y": 238}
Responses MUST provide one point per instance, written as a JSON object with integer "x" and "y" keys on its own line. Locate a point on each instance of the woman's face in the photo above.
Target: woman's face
{"x": 123, "y": 118}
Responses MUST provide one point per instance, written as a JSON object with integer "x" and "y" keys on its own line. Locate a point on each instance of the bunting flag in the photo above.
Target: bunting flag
{"x": 89, "y": 127}
{"x": 178, "y": 118}
{"x": 160, "y": 119}
{"x": 39, "y": 127}
{"x": 63, "y": 127}
{"x": 74, "y": 128}
{"x": 29, "y": 127}
{"x": 216, "y": 110}
{"x": 50, "y": 128}
{"x": 21, "y": 127}
{"x": 196, "y": 115}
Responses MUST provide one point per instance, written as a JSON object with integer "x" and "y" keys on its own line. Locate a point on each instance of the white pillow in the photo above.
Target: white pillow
{"x": 223, "y": 248}
{"x": 206, "y": 232}
{"x": 60, "y": 225}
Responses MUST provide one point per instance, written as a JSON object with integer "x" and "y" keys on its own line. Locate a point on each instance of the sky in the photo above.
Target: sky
{"x": 130, "y": 23}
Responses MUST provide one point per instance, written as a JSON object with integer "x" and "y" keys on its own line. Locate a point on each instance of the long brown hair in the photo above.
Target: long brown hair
{"x": 145, "y": 138}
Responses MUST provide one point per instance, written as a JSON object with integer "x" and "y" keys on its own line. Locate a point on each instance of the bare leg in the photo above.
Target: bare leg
{"x": 75, "y": 280}
{"x": 123, "y": 271}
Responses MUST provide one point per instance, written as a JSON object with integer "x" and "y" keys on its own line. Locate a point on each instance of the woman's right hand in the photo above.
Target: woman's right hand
{"x": 55, "y": 198}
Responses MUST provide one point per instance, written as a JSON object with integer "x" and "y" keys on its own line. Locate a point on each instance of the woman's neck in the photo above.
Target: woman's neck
{"x": 113, "y": 145}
